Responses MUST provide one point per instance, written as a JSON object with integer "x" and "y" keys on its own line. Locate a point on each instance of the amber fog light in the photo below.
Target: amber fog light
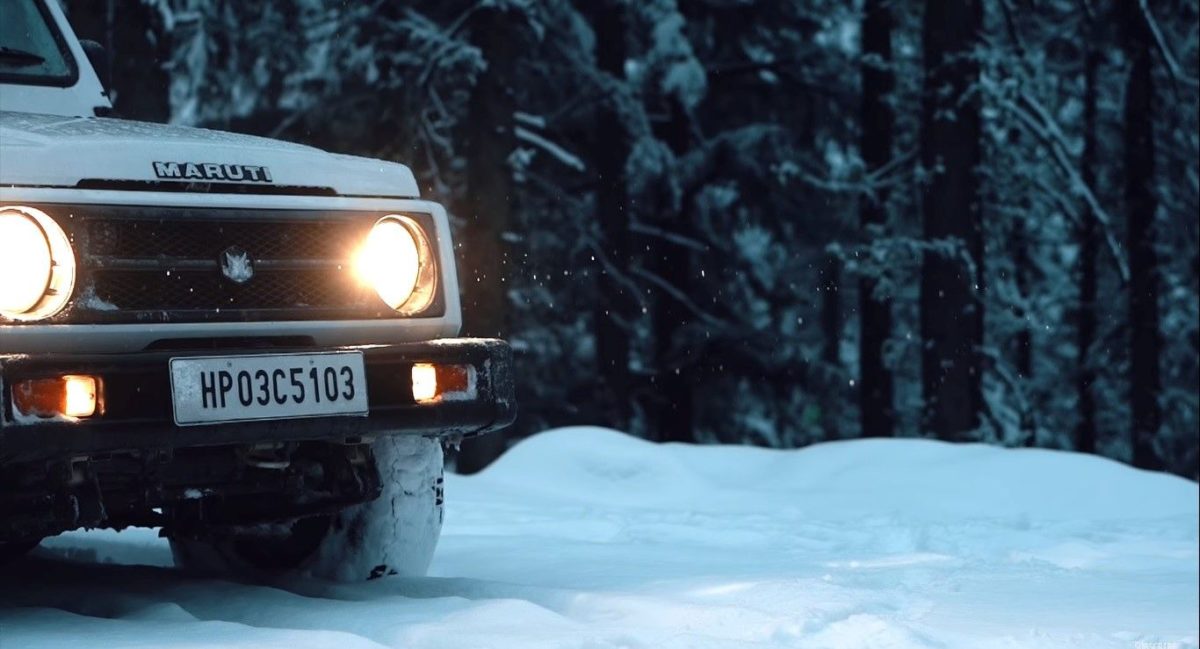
{"x": 424, "y": 382}
{"x": 73, "y": 396}
{"x": 432, "y": 383}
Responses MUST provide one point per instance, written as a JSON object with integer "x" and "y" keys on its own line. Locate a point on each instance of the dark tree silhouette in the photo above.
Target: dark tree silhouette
{"x": 673, "y": 381}
{"x": 875, "y": 312}
{"x": 1085, "y": 429}
{"x": 613, "y": 315}
{"x": 951, "y": 305}
{"x": 489, "y": 201}
{"x": 831, "y": 341}
{"x": 137, "y": 47}
{"x": 1145, "y": 343}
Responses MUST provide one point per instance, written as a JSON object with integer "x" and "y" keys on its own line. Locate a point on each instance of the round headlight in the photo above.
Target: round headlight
{"x": 37, "y": 266}
{"x": 397, "y": 261}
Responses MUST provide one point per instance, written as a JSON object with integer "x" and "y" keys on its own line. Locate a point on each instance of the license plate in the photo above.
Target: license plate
{"x": 214, "y": 389}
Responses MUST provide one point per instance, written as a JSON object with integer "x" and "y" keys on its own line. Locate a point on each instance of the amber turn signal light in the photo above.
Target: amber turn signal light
{"x": 432, "y": 383}
{"x": 74, "y": 396}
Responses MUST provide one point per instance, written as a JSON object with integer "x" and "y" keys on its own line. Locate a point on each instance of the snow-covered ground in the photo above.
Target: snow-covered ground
{"x": 586, "y": 538}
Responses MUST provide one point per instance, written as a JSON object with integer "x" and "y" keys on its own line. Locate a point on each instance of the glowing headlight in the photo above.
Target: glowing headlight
{"x": 37, "y": 266}
{"x": 397, "y": 261}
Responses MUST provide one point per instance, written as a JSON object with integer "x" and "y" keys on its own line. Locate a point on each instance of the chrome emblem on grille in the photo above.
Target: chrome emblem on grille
{"x": 235, "y": 264}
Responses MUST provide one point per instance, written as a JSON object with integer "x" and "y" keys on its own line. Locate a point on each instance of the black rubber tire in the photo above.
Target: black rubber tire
{"x": 393, "y": 535}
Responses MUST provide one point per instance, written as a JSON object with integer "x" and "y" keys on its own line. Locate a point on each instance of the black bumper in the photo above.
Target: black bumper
{"x": 138, "y": 412}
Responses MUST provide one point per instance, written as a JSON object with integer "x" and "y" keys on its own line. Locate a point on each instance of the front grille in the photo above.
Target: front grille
{"x": 198, "y": 290}
{"x": 154, "y": 264}
{"x": 206, "y": 239}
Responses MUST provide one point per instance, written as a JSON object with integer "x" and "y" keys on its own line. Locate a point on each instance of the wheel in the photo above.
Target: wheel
{"x": 12, "y": 550}
{"x": 395, "y": 534}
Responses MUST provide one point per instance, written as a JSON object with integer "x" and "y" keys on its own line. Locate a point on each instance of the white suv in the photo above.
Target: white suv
{"x": 245, "y": 342}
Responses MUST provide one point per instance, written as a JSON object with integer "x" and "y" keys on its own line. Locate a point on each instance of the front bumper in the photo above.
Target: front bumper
{"x": 138, "y": 415}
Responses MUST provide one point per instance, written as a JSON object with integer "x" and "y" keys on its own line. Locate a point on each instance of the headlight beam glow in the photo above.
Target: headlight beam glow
{"x": 397, "y": 261}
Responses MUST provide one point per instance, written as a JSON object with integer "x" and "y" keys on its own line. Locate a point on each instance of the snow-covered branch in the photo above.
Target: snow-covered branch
{"x": 674, "y": 237}
{"x": 1038, "y": 122}
{"x": 1164, "y": 48}
{"x": 679, "y": 296}
{"x": 557, "y": 152}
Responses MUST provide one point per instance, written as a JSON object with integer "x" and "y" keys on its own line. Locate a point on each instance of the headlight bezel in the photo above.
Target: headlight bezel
{"x": 59, "y": 282}
{"x": 425, "y": 286}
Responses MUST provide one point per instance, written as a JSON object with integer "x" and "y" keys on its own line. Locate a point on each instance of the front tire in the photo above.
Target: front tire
{"x": 395, "y": 534}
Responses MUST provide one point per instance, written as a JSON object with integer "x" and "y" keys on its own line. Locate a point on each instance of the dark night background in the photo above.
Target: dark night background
{"x": 763, "y": 222}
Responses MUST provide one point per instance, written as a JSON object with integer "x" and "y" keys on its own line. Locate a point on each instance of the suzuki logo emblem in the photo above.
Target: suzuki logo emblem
{"x": 235, "y": 264}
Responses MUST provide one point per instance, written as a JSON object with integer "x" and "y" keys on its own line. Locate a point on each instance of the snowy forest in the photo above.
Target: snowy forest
{"x": 763, "y": 222}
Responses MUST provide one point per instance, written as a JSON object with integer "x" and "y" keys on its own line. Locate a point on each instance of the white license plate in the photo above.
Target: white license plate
{"x": 214, "y": 389}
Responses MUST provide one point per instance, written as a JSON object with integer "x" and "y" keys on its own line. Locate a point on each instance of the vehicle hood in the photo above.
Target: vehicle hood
{"x": 49, "y": 150}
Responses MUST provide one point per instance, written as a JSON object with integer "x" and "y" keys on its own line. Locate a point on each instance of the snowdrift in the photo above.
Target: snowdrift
{"x": 589, "y": 538}
{"x": 923, "y": 478}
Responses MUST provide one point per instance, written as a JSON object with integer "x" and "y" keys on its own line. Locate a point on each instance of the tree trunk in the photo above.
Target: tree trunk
{"x": 1085, "y": 429}
{"x": 951, "y": 298}
{"x": 1145, "y": 343}
{"x": 137, "y": 46}
{"x": 488, "y": 204}
{"x": 673, "y": 263}
{"x": 1023, "y": 344}
{"x": 831, "y": 334}
{"x": 878, "y": 417}
{"x": 1023, "y": 341}
{"x": 614, "y": 309}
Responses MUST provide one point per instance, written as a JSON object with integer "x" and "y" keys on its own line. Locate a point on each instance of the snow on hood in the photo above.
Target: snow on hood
{"x": 48, "y": 150}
